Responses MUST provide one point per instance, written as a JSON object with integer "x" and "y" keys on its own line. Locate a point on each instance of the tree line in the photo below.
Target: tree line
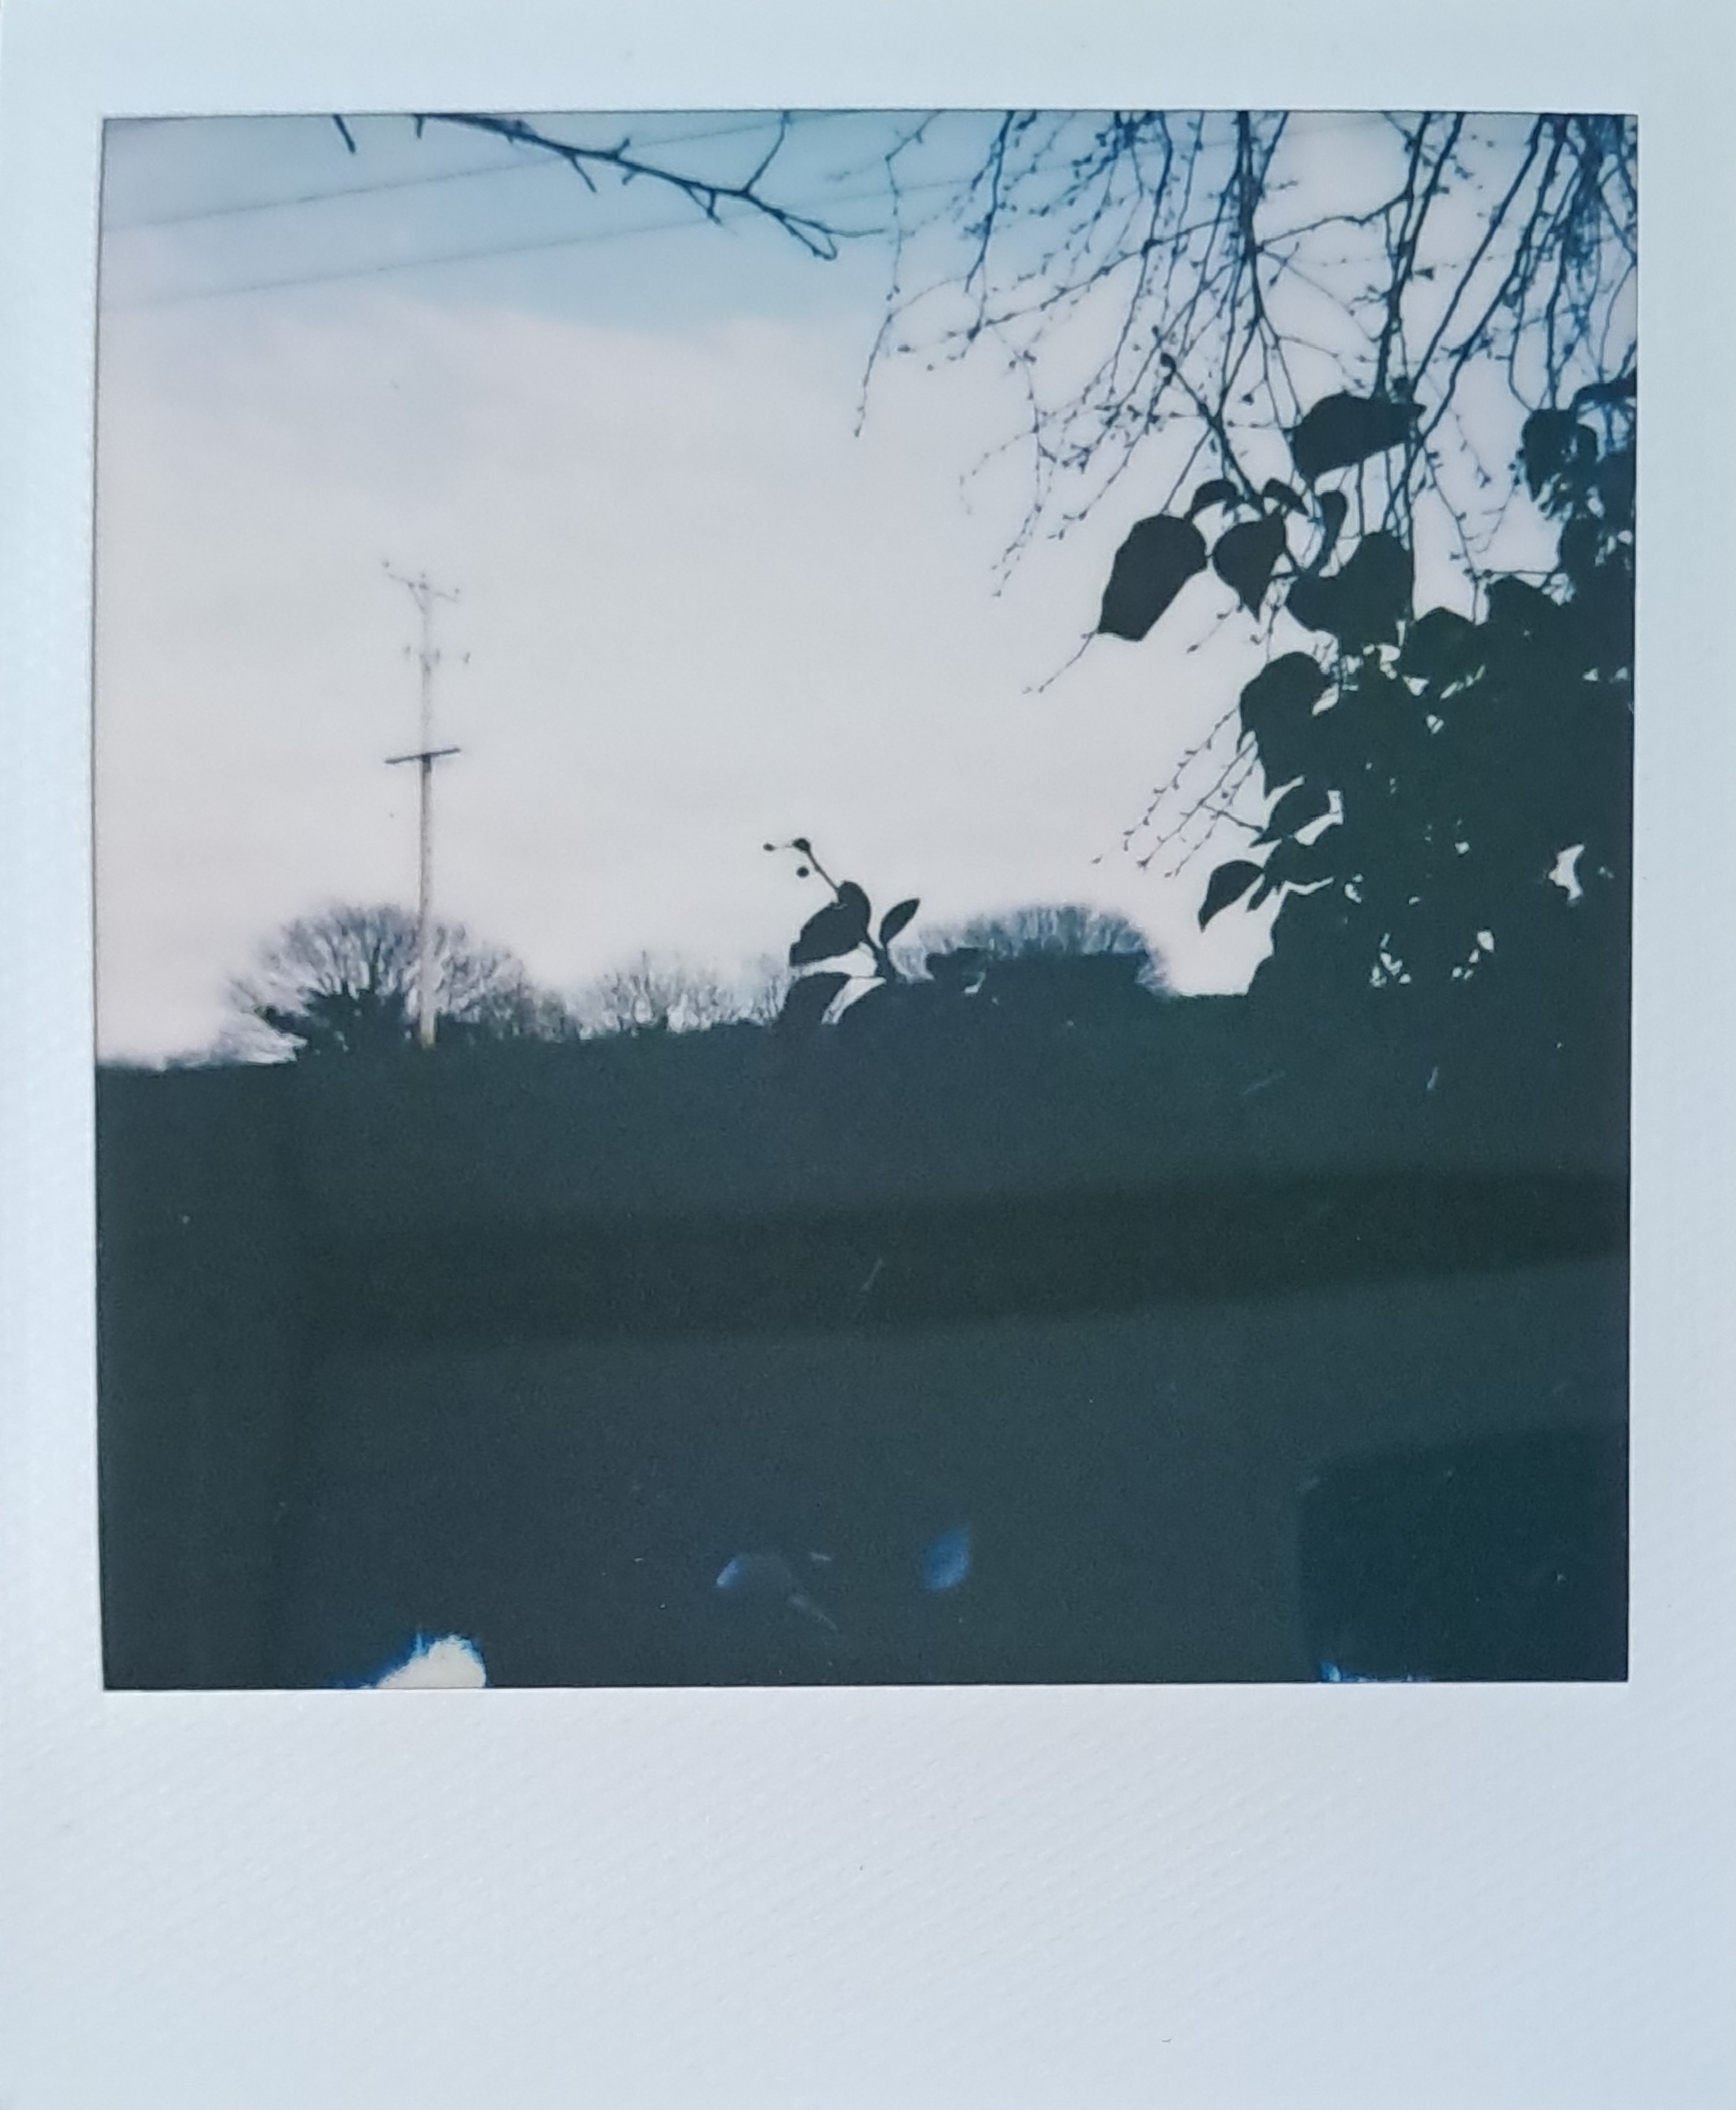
{"x": 342, "y": 982}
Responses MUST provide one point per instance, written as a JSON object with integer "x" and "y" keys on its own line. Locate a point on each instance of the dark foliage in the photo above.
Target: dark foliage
{"x": 1433, "y": 775}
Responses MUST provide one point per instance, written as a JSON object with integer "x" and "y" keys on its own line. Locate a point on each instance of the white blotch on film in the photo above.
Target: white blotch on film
{"x": 448, "y": 1663}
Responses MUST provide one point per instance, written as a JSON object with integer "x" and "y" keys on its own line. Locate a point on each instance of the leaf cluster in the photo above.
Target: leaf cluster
{"x": 1427, "y": 772}
{"x": 843, "y": 926}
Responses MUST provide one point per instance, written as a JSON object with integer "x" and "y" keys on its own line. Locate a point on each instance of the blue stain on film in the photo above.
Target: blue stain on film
{"x": 945, "y": 1561}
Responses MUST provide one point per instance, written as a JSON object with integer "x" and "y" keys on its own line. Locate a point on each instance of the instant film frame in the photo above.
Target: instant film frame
{"x": 1268, "y": 1895}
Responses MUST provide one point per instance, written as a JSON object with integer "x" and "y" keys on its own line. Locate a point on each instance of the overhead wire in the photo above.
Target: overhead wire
{"x": 727, "y": 213}
{"x": 733, "y": 214}
{"x": 530, "y": 158}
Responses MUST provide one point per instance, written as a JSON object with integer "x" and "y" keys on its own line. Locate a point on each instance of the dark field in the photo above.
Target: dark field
{"x": 1240, "y": 1351}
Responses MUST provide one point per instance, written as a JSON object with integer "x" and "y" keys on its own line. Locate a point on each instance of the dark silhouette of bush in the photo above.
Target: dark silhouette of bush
{"x": 1450, "y": 797}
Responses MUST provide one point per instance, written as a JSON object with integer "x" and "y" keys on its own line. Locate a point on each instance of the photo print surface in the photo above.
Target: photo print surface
{"x": 863, "y": 898}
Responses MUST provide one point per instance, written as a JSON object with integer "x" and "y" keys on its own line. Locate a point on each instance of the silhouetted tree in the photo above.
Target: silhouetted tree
{"x": 652, "y": 995}
{"x": 1054, "y": 931}
{"x": 1181, "y": 290}
{"x": 1063, "y": 929}
{"x": 344, "y": 982}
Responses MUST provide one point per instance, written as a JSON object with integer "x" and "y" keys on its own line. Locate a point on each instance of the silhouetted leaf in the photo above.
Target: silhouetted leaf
{"x": 808, "y": 1000}
{"x": 1247, "y": 555}
{"x": 1228, "y": 883}
{"x": 1376, "y": 583}
{"x": 1363, "y": 603}
{"x": 1157, "y": 559}
{"x": 895, "y": 918}
{"x": 1551, "y": 443}
{"x": 1281, "y": 494}
{"x": 1285, "y": 691}
{"x": 1313, "y": 602}
{"x": 1216, "y": 490}
{"x": 1440, "y": 647}
{"x": 1300, "y": 805}
{"x": 839, "y": 928}
{"x": 1343, "y": 430}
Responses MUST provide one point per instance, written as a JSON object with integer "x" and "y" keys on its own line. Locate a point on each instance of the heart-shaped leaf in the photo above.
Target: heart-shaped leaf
{"x": 1363, "y": 603}
{"x": 1279, "y": 715}
{"x": 839, "y": 928}
{"x": 1247, "y": 555}
{"x": 1157, "y": 559}
{"x": 1286, "y": 689}
{"x": 1228, "y": 883}
{"x": 1343, "y": 430}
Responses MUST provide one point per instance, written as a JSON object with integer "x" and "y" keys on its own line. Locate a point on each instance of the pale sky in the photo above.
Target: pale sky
{"x": 700, "y": 609}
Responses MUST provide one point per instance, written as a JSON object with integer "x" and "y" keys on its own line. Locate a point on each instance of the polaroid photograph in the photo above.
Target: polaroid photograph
{"x": 884, "y": 996}
{"x": 863, "y": 896}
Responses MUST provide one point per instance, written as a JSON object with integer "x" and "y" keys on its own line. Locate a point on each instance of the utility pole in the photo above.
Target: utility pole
{"x": 424, "y": 593}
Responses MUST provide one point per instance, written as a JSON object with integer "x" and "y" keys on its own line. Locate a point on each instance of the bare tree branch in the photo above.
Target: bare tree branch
{"x": 708, "y": 195}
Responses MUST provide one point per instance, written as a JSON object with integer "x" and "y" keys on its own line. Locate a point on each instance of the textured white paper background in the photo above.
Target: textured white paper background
{"x": 1340, "y": 1896}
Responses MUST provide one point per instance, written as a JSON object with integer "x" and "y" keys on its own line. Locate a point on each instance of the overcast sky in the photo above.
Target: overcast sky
{"x": 699, "y": 609}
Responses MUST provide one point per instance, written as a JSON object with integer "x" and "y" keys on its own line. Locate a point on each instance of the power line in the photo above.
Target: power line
{"x": 729, "y": 213}
{"x": 336, "y": 195}
{"x": 529, "y": 159}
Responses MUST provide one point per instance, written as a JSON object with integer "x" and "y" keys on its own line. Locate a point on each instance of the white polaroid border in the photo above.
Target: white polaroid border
{"x": 1381, "y": 1896}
